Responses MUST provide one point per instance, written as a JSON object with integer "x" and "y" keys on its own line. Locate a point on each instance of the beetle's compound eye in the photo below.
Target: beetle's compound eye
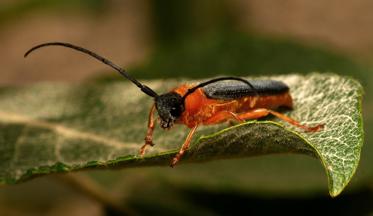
{"x": 175, "y": 111}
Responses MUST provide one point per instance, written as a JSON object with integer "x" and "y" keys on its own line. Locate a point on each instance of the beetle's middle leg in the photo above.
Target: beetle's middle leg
{"x": 149, "y": 133}
{"x": 222, "y": 113}
{"x": 223, "y": 116}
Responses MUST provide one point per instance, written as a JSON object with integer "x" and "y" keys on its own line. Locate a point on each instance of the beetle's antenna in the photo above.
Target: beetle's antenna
{"x": 191, "y": 90}
{"x": 147, "y": 90}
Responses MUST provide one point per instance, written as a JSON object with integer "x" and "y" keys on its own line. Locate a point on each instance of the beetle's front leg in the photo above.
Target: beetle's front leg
{"x": 149, "y": 133}
{"x": 184, "y": 147}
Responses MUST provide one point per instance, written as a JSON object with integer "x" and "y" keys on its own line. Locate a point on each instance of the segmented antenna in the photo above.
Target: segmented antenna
{"x": 147, "y": 90}
{"x": 191, "y": 90}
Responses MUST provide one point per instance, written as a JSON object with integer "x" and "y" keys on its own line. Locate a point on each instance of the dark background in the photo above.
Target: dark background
{"x": 162, "y": 39}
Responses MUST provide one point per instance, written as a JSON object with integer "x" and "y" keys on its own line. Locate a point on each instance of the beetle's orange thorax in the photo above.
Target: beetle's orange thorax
{"x": 199, "y": 108}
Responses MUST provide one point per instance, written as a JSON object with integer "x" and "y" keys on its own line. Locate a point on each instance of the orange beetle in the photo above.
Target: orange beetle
{"x": 210, "y": 102}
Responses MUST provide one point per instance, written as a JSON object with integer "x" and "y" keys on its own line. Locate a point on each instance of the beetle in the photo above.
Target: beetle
{"x": 210, "y": 102}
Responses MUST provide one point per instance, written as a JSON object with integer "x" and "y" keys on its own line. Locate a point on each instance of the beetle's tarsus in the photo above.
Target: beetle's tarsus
{"x": 315, "y": 128}
{"x": 147, "y": 143}
{"x": 175, "y": 160}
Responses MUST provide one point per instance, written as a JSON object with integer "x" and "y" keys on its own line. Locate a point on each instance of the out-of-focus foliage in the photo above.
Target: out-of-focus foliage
{"x": 243, "y": 55}
{"x": 9, "y": 12}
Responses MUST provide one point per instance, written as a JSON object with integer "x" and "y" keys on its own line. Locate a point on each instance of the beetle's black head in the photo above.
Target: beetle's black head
{"x": 170, "y": 106}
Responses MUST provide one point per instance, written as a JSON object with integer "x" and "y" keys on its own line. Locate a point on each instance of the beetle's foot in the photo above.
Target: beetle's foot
{"x": 176, "y": 158}
{"x": 232, "y": 122}
{"x": 148, "y": 142}
{"x": 174, "y": 161}
{"x": 315, "y": 128}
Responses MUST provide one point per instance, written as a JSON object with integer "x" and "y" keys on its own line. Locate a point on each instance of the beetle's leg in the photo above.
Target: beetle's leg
{"x": 231, "y": 117}
{"x": 223, "y": 106}
{"x": 223, "y": 116}
{"x": 258, "y": 113}
{"x": 149, "y": 133}
{"x": 184, "y": 147}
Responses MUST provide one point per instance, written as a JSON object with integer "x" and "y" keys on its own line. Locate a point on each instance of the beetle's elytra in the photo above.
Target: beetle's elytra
{"x": 211, "y": 102}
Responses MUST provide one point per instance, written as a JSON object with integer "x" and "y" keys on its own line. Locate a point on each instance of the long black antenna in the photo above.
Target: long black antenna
{"x": 191, "y": 90}
{"x": 147, "y": 90}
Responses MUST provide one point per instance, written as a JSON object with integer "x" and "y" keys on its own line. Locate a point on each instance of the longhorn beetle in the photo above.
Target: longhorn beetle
{"x": 209, "y": 102}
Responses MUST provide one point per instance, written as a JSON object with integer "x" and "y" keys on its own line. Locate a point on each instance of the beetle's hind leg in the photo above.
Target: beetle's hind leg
{"x": 149, "y": 133}
{"x": 261, "y": 112}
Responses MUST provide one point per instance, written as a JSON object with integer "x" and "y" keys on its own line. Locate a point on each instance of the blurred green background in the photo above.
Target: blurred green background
{"x": 196, "y": 39}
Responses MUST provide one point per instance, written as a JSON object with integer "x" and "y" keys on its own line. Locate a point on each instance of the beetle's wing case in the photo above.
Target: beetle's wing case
{"x": 233, "y": 90}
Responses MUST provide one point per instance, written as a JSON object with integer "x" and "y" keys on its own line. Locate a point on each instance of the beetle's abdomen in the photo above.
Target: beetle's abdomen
{"x": 235, "y": 90}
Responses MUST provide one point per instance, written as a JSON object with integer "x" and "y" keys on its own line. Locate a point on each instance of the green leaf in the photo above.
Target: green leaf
{"x": 48, "y": 128}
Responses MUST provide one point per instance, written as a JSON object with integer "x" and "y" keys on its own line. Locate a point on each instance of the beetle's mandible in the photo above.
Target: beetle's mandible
{"x": 206, "y": 103}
